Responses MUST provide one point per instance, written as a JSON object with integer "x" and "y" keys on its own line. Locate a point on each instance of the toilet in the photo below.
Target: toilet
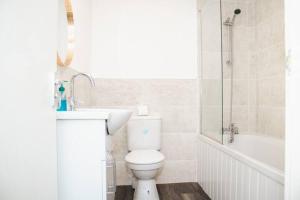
{"x": 144, "y": 158}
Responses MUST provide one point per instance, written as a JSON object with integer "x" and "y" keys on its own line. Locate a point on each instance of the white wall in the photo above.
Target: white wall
{"x": 27, "y": 130}
{"x": 292, "y": 179}
{"x": 82, "y": 20}
{"x": 144, "y": 39}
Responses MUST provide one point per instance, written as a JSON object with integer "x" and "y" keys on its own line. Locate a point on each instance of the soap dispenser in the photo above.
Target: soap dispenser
{"x": 62, "y": 99}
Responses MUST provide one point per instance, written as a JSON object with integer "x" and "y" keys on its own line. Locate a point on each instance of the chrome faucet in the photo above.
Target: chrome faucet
{"x": 233, "y": 130}
{"x": 72, "y": 88}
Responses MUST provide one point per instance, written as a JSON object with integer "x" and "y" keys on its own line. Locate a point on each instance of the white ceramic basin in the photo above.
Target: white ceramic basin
{"x": 117, "y": 118}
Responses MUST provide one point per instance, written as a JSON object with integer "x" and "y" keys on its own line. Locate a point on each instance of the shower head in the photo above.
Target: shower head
{"x": 237, "y": 11}
{"x": 230, "y": 22}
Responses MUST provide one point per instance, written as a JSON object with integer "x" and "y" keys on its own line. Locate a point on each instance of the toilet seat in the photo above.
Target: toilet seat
{"x": 144, "y": 157}
{"x": 144, "y": 160}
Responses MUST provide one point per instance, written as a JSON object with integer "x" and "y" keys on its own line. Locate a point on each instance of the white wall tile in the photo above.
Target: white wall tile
{"x": 178, "y": 171}
{"x": 179, "y": 146}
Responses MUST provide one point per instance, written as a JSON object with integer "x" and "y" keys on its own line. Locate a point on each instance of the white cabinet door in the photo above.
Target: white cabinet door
{"x": 81, "y": 159}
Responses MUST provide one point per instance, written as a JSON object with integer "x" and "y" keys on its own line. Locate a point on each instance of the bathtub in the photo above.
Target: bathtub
{"x": 251, "y": 168}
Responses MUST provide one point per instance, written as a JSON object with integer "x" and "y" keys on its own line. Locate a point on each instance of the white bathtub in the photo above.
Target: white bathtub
{"x": 252, "y": 168}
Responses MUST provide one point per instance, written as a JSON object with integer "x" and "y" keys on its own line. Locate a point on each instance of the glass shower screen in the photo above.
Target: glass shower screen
{"x": 211, "y": 69}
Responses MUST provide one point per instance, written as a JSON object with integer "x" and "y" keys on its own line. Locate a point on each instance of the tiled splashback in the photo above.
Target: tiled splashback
{"x": 244, "y": 108}
{"x": 269, "y": 59}
{"x": 259, "y": 68}
{"x": 175, "y": 100}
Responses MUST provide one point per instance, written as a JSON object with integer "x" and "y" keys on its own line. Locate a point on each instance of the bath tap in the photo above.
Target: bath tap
{"x": 72, "y": 88}
{"x": 232, "y": 129}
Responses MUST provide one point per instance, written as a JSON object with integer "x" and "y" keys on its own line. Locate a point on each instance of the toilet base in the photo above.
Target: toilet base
{"x": 146, "y": 190}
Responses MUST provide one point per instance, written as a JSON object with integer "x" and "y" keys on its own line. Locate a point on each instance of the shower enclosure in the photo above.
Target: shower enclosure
{"x": 242, "y": 68}
{"x": 241, "y": 146}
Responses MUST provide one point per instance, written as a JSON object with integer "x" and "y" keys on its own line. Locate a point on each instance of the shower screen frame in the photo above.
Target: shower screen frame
{"x": 205, "y": 115}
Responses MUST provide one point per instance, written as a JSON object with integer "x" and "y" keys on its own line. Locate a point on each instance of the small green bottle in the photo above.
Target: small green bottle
{"x": 63, "y": 99}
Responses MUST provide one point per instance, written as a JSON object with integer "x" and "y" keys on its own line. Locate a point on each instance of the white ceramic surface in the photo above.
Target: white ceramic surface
{"x": 144, "y": 157}
{"x": 116, "y": 118}
{"x": 241, "y": 170}
{"x": 144, "y": 139}
{"x": 144, "y": 133}
{"x": 84, "y": 114}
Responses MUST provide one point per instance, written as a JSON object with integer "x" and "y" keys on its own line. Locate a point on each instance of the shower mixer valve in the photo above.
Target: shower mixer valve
{"x": 233, "y": 130}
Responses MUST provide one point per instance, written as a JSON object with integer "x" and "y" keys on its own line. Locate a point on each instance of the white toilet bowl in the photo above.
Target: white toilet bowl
{"x": 145, "y": 165}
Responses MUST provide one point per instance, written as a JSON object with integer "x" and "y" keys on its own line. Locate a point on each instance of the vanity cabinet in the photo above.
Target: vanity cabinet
{"x": 82, "y": 156}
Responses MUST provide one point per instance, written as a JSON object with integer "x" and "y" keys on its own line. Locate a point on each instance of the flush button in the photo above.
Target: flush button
{"x": 146, "y": 131}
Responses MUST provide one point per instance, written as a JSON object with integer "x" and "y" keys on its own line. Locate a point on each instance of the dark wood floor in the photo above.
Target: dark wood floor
{"x": 175, "y": 191}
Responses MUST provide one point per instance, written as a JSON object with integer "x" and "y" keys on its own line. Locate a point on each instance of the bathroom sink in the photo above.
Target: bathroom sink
{"x": 116, "y": 119}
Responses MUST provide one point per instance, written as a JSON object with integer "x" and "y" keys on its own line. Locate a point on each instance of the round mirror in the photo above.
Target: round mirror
{"x": 65, "y": 33}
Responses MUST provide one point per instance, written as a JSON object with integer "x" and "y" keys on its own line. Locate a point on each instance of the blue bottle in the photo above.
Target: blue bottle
{"x": 63, "y": 99}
